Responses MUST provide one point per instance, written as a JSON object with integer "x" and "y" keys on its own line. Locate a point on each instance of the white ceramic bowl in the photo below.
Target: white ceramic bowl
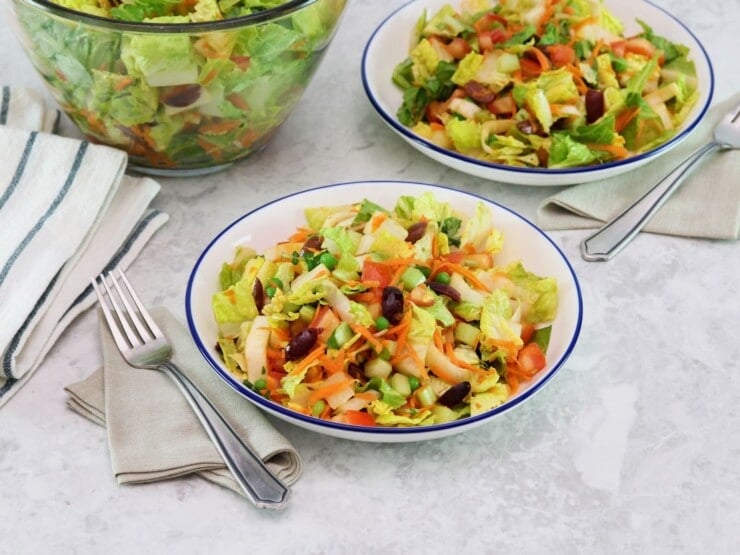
{"x": 276, "y": 220}
{"x": 389, "y": 45}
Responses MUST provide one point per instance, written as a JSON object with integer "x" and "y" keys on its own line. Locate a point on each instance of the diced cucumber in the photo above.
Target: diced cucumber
{"x": 378, "y": 368}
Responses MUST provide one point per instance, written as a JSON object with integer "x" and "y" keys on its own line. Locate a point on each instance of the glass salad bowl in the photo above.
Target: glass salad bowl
{"x": 182, "y": 94}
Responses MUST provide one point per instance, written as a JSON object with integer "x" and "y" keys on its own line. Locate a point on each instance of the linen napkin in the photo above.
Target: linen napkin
{"x": 68, "y": 212}
{"x": 153, "y": 434}
{"x": 707, "y": 205}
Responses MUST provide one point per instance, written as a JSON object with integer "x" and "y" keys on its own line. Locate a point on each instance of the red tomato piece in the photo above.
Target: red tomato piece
{"x": 487, "y": 39}
{"x": 373, "y": 271}
{"x": 561, "y": 54}
{"x": 458, "y": 48}
{"x": 359, "y": 418}
{"x": 531, "y": 359}
{"x": 527, "y": 332}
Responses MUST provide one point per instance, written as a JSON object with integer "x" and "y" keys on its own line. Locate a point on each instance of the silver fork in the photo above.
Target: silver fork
{"x": 143, "y": 345}
{"x": 616, "y": 234}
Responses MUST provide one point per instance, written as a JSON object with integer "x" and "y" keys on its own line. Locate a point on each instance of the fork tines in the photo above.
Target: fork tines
{"x": 117, "y": 298}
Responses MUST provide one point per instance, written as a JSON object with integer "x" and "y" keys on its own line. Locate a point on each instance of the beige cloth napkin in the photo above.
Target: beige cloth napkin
{"x": 153, "y": 434}
{"x": 707, "y": 205}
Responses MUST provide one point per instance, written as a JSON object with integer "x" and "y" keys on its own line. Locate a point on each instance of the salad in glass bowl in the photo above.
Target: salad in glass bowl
{"x": 373, "y": 315}
{"x": 542, "y": 83}
{"x": 185, "y": 87}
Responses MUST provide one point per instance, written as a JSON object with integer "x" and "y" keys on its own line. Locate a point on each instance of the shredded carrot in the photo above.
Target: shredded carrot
{"x": 624, "y": 117}
{"x": 513, "y": 383}
{"x": 470, "y": 276}
{"x": 238, "y": 101}
{"x": 307, "y": 360}
{"x": 329, "y": 390}
{"x": 450, "y": 353}
{"x": 209, "y": 77}
{"x": 546, "y": 15}
{"x": 541, "y": 58}
{"x": 123, "y": 83}
{"x": 219, "y": 127}
{"x": 575, "y": 71}
{"x": 280, "y": 333}
{"x": 401, "y": 338}
{"x": 332, "y": 365}
{"x": 365, "y": 297}
{"x": 438, "y": 340}
{"x": 369, "y": 337}
{"x": 595, "y": 51}
{"x": 366, "y": 395}
{"x": 585, "y": 21}
{"x": 301, "y": 234}
{"x": 417, "y": 361}
{"x": 619, "y": 152}
{"x": 378, "y": 220}
{"x": 318, "y": 316}
{"x": 398, "y": 273}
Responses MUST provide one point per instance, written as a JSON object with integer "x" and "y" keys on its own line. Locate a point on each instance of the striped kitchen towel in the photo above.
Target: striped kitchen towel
{"x": 67, "y": 213}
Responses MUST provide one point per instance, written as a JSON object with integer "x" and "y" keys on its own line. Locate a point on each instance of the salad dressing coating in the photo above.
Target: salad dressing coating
{"x": 542, "y": 83}
{"x": 385, "y": 317}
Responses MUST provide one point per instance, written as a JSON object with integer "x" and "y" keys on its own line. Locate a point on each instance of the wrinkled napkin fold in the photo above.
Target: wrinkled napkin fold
{"x": 68, "y": 212}
{"x": 707, "y": 205}
{"x": 153, "y": 434}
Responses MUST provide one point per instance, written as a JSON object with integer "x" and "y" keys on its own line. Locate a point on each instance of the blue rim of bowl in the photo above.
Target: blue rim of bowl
{"x": 404, "y": 131}
{"x": 263, "y": 16}
{"x": 379, "y": 431}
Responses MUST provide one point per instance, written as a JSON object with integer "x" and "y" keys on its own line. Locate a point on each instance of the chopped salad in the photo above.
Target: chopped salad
{"x": 385, "y": 317}
{"x": 542, "y": 83}
{"x": 179, "y": 99}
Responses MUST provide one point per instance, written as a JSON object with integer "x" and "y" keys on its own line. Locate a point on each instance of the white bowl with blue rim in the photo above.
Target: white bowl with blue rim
{"x": 389, "y": 45}
{"x": 276, "y": 220}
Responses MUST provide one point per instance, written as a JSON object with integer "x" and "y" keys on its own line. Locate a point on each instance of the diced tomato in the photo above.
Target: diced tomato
{"x": 458, "y": 48}
{"x": 561, "y": 54}
{"x": 527, "y": 332}
{"x": 531, "y": 359}
{"x": 618, "y": 48}
{"x": 359, "y": 418}
{"x": 455, "y": 257}
{"x": 487, "y": 39}
{"x": 530, "y": 68}
{"x": 380, "y": 273}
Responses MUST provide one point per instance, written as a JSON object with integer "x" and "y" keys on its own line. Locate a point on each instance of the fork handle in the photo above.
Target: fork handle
{"x": 262, "y": 487}
{"x": 616, "y": 234}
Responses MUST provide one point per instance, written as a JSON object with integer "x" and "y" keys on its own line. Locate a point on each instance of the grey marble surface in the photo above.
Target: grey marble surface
{"x": 633, "y": 447}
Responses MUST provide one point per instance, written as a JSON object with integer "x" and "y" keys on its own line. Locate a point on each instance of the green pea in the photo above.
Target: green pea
{"x": 382, "y": 323}
{"x": 270, "y": 291}
{"x": 442, "y": 277}
{"x": 260, "y": 384}
{"x": 414, "y": 383}
{"x": 328, "y": 260}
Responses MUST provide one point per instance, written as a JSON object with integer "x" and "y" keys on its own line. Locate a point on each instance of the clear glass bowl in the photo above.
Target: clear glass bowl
{"x": 181, "y": 99}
